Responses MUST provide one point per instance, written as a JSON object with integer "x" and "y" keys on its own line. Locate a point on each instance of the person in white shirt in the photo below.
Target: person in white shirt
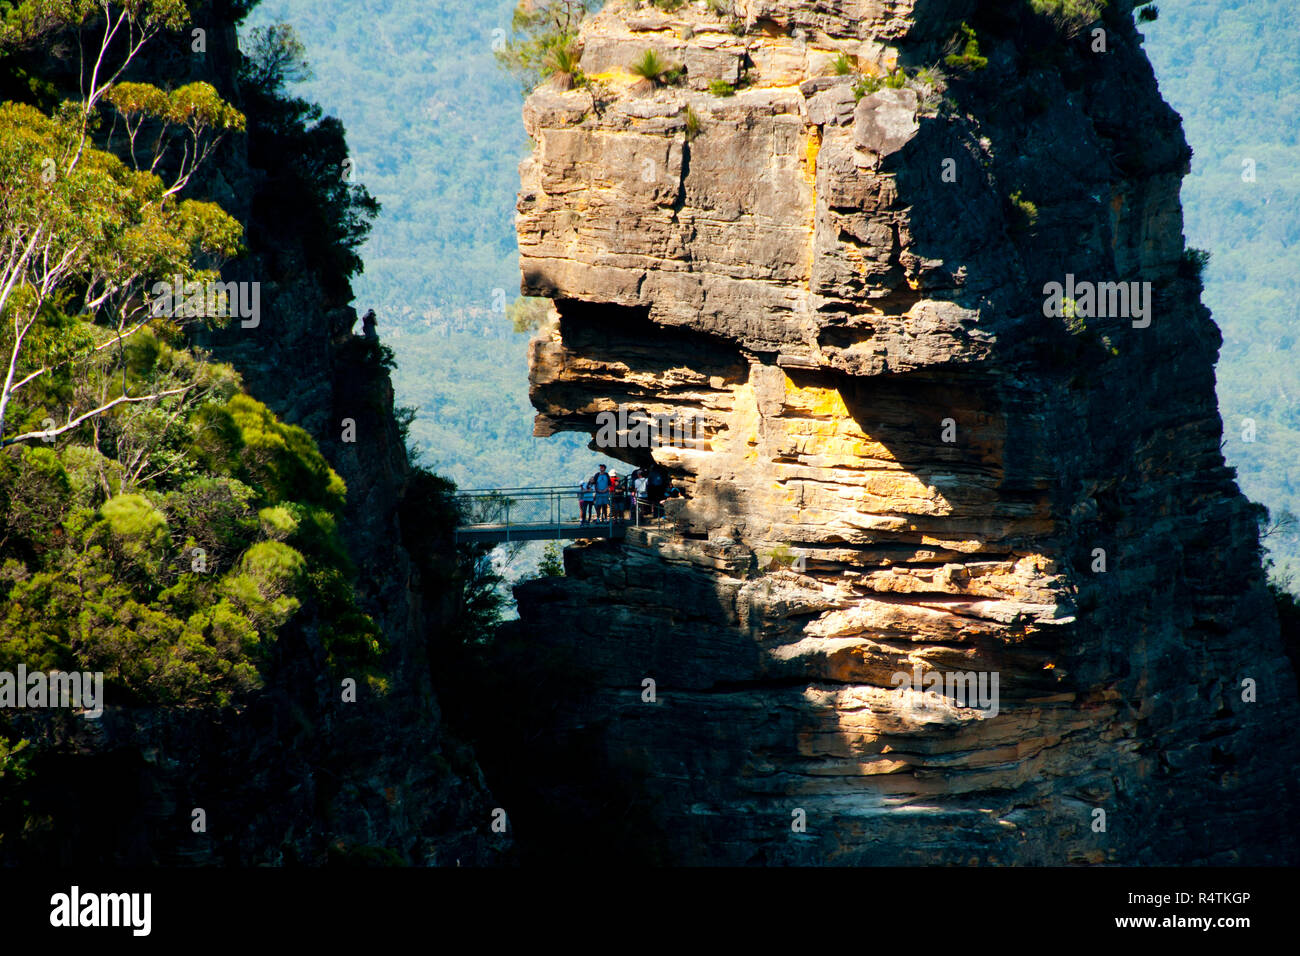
{"x": 586, "y": 499}
{"x": 640, "y": 486}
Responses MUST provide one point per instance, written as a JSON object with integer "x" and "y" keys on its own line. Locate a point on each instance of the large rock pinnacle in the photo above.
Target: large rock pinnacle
{"x": 904, "y": 466}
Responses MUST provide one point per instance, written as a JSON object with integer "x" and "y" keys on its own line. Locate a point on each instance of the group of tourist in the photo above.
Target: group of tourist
{"x": 606, "y": 496}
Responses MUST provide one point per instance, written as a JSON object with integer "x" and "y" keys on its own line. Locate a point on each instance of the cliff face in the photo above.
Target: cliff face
{"x": 902, "y": 464}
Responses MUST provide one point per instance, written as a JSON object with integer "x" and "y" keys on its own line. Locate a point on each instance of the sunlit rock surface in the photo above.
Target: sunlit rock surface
{"x": 902, "y": 465}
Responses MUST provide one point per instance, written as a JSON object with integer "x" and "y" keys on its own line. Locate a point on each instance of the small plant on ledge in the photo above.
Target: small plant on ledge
{"x": 655, "y": 71}
{"x": 1193, "y": 263}
{"x": 693, "y": 124}
{"x": 1071, "y": 17}
{"x": 1024, "y": 212}
{"x": 562, "y": 61}
{"x": 969, "y": 58}
{"x": 866, "y": 85}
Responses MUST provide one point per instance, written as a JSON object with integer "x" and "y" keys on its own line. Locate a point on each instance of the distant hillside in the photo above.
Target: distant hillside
{"x": 436, "y": 136}
{"x": 1230, "y": 68}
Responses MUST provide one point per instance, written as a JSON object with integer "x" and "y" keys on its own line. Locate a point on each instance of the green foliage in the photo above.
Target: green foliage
{"x": 1071, "y": 15}
{"x": 527, "y": 313}
{"x": 552, "y": 563}
{"x": 84, "y": 235}
{"x": 780, "y": 557}
{"x": 135, "y": 548}
{"x": 177, "y": 590}
{"x": 274, "y": 57}
{"x": 841, "y": 65}
{"x": 137, "y": 531}
{"x": 722, "y": 88}
{"x": 930, "y": 85}
{"x": 969, "y": 58}
{"x": 650, "y": 67}
{"x": 1194, "y": 262}
{"x": 172, "y": 543}
{"x": 693, "y": 124}
{"x": 404, "y": 416}
{"x": 277, "y": 523}
{"x": 1024, "y": 213}
{"x": 13, "y": 761}
{"x": 27, "y": 21}
{"x": 562, "y": 62}
{"x": 866, "y": 85}
{"x": 1148, "y": 14}
{"x": 195, "y": 106}
{"x": 15, "y": 769}
{"x": 36, "y": 487}
{"x": 538, "y": 28}
{"x": 281, "y": 459}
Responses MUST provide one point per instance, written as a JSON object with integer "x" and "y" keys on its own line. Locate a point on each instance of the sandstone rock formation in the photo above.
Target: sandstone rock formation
{"x": 904, "y": 466}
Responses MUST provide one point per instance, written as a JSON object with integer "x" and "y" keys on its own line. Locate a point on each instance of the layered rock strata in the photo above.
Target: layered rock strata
{"x": 901, "y": 465}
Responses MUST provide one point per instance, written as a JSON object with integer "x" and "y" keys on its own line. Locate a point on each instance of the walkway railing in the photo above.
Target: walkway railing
{"x": 496, "y": 515}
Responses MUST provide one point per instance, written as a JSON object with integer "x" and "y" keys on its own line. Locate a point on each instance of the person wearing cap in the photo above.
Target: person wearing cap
{"x": 601, "y": 483}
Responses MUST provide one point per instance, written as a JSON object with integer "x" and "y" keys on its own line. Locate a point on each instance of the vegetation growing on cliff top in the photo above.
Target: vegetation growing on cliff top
{"x": 654, "y": 68}
{"x": 969, "y": 58}
{"x": 1071, "y": 15}
{"x": 538, "y": 29}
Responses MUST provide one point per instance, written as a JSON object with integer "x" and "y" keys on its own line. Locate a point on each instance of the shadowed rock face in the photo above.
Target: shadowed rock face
{"x": 902, "y": 465}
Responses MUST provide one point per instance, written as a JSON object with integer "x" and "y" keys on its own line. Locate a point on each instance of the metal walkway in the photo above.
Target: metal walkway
{"x": 499, "y": 515}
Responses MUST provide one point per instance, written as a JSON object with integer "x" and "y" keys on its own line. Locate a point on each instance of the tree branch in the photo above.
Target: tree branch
{"x": 121, "y": 399}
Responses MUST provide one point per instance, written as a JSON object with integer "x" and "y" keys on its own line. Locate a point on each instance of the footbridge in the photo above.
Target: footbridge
{"x": 499, "y": 515}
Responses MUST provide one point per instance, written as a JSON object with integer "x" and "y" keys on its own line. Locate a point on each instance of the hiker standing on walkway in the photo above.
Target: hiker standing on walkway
{"x": 600, "y": 481}
{"x": 640, "y": 487}
{"x": 586, "y": 498}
